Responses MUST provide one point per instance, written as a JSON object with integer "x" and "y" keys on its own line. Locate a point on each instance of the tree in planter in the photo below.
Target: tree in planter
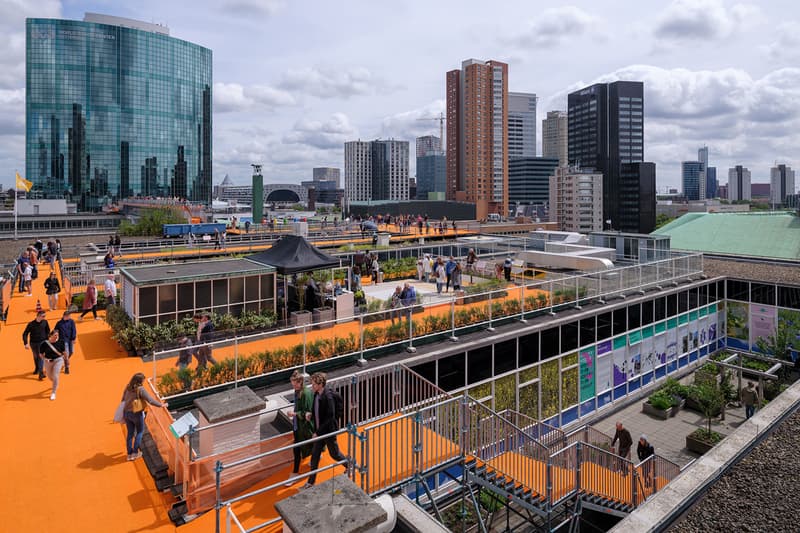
{"x": 779, "y": 344}
{"x": 710, "y": 398}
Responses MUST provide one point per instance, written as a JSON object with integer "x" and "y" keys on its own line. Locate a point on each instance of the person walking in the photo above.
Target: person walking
{"x": 644, "y": 450}
{"x": 408, "y": 298}
{"x": 28, "y": 277}
{"x": 625, "y": 441}
{"x": 22, "y": 263}
{"x": 89, "y": 301}
{"x": 456, "y": 276}
{"x": 205, "y": 329}
{"x": 440, "y": 275}
{"x": 110, "y": 290}
{"x": 507, "y": 268}
{"x": 749, "y": 395}
{"x": 52, "y": 353}
{"x": 448, "y": 270}
{"x": 52, "y": 287}
{"x": 302, "y": 429}
{"x": 323, "y": 417}
{"x": 134, "y": 395}
{"x": 36, "y": 332}
{"x": 395, "y": 303}
{"x": 67, "y": 333}
{"x": 472, "y": 258}
{"x": 426, "y": 268}
{"x": 185, "y": 355}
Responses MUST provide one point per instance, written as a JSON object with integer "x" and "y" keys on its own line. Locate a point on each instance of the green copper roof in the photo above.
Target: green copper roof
{"x": 748, "y": 234}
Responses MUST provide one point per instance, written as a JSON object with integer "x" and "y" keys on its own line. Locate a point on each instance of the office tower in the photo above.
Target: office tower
{"x": 376, "y": 170}
{"x": 428, "y": 143}
{"x": 554, "y": 136}
{"x": 431, "y": 167}
{"x": 521, "y": 125}
{"x": 738, "y": 183}
{"x": 477, "y": 132}
{"x": 781, "y": 178}
{"x": 576, "y": 199}
{"x": 702, "y": 156}
{"x": 327, "y": 174}
{"x": 693, "y": 178}
{"x": 529, "y": 180}
{"x": 711, "y": 182}
{"x": 116, "y": 108}
{"x": 606, "y": 132}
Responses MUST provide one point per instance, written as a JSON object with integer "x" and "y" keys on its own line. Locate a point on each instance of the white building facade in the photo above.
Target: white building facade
{"x": 521, "y": 125}
{"x": 781, "y": 184}
{"x": 376, "y": 170}
{"x": 576, "y": 199}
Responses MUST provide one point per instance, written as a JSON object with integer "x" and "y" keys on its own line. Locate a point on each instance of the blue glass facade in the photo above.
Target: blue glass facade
{"x": 114, "y": 112}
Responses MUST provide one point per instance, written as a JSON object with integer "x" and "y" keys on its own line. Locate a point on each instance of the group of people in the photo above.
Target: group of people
{"x": 313, "y": 414}
{"x": 195, "y": 346}
{"x": 51, "y": 348}
{"x": 407, "y": 223}
{"x": 643, "y": 449}
{"x": 443, "y": 273}
{"x": 402, "y": 300}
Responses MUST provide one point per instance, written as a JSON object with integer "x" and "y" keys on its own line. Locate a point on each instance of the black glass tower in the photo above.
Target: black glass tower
{"x": 116, "y": 108}
{"x": 606, "y": 133}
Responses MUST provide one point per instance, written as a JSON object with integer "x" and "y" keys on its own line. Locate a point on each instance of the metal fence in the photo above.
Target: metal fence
{"x": 318, "y": 345}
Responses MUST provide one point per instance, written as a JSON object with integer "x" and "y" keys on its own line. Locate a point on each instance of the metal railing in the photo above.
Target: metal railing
{"x": 318, "y": 343}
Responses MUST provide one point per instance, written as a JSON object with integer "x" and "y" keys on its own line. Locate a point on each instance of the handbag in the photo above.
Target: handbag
{"x": 119, "y": 414}
{"x": 137, "y": 406}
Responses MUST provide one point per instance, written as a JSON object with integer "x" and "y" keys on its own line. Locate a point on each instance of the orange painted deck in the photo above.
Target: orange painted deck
{"x": 204, "y": 249}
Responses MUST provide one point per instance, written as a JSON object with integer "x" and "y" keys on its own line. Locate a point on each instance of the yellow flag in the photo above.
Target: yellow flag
{"x": 23, "y": 184}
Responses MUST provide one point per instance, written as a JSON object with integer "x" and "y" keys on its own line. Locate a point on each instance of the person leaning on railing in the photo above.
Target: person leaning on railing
{"x": 134, "y": 397}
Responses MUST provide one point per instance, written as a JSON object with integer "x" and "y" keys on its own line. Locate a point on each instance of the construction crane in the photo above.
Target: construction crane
{"x": 441, "y": 118}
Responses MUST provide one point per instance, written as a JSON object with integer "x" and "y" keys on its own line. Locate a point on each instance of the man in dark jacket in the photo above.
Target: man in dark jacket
{"x": 323, "y": 416}
{"x": 644, "y": 450}
{"x": 36, "y": 332}
{"x": 67, "y": 333}
{"x": 625, "y": 441}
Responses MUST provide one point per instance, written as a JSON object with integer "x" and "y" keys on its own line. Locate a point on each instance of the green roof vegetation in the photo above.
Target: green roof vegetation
{"x": 771, "y": 235}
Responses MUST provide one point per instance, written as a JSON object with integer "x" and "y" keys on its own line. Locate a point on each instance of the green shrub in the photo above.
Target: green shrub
{"x": 660, "y": 400}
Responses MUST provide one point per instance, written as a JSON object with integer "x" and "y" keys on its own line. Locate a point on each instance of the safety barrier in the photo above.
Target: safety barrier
{"x": 325, "y": 342}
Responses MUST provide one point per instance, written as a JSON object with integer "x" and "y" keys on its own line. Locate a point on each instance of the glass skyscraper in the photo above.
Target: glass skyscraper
{"x": 116, "y": 108}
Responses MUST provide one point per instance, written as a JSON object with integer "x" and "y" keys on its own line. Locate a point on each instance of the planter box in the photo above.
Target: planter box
{"x": 662, "y": 414}
{"x": 696, "y": 445}
{"x": 322, "y": 314}
{"x": 691, "y": 404}
{"x": 480, "y": 297}
{"x": 300, "y": 318}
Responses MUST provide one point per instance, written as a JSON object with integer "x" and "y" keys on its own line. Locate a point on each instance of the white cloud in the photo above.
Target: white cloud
{"x": 414, "y": 123}
{"x": 701, "y": 20}
{"x": 786, "y": 46}
{"x": 233, "y": 97}
{"x": 554, "y": 25}
{"x": 12, "y": 36}
{"x": 329, "y": 82}
{"x": 328, "y": 135}
{"x": 249, "y": 8}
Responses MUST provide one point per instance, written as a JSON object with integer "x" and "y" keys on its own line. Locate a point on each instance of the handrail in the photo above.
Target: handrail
{"x": 551, "y": 436}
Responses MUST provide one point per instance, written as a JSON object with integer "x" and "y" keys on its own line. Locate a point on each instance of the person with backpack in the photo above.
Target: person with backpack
{"x": 67, "y": 334}
{"x": 328, "y": 408}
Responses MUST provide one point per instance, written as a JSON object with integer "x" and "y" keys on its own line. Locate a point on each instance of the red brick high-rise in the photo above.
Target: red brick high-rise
{"x": 477, "y": 136}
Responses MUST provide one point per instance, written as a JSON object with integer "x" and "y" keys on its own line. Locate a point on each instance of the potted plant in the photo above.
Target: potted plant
{"x": 710, "y": 397}
{"x": 660, "y": 404}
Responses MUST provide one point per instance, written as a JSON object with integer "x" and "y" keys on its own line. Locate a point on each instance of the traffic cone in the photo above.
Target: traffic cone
{"x": 38, "y": 306}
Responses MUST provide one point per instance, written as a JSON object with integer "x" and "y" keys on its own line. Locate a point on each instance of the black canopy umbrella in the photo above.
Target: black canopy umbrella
{"x": 293, "y": 254}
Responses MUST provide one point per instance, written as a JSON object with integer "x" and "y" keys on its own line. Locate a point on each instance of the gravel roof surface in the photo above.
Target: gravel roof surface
{"x": 757, "y": 494}
{"x": 751, "y": 270}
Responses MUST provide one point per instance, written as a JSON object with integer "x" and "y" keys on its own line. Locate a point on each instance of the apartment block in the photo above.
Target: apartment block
{"x": 576, "y": 199}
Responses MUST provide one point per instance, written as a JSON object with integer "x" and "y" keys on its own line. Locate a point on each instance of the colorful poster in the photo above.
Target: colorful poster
{"x": 671, "y": 347}
{"x": 763, "y": 321}
{"x": 660, "y": 347}
{"x": 648, "y": 355}
{"x": 702, "y": 329}
{"x": 694, "y": 335}
{"x": 737, "y": 321}
{"x": 620, "y": 365}
{"x": 791, "y": 319}
{"x": 712, "y": 327}
{"x": 604, "y": 366}
{"x": 683, "y": 339}
{"x": 587, "y": 370}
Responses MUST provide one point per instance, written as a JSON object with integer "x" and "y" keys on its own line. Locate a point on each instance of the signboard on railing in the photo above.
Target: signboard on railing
{"x": 181, "y": 426}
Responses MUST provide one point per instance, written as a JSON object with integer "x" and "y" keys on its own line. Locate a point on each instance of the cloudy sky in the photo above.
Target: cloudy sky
{"x": 294, "y": 80}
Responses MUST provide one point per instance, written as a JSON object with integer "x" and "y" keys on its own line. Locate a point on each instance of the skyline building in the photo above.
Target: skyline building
{"x": 333, "y": 174}
{"x": 739, "y": 183}
{"x": 376, "y": 170}
{"x": 529, "y": 180}
{"x": 477, "y": 133}
{"x": 554, "y": 136}
{"x": 781, "y": 179}
{"x": 431, "y": 174}
{"x": 521, "y": 125}
{"x": 116, "y": 108}
{"x": 693, "y": 180}
{"x": 606, "y": 133}
{"x": 428, "y": 143}
{"x": 576, "y": 199}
